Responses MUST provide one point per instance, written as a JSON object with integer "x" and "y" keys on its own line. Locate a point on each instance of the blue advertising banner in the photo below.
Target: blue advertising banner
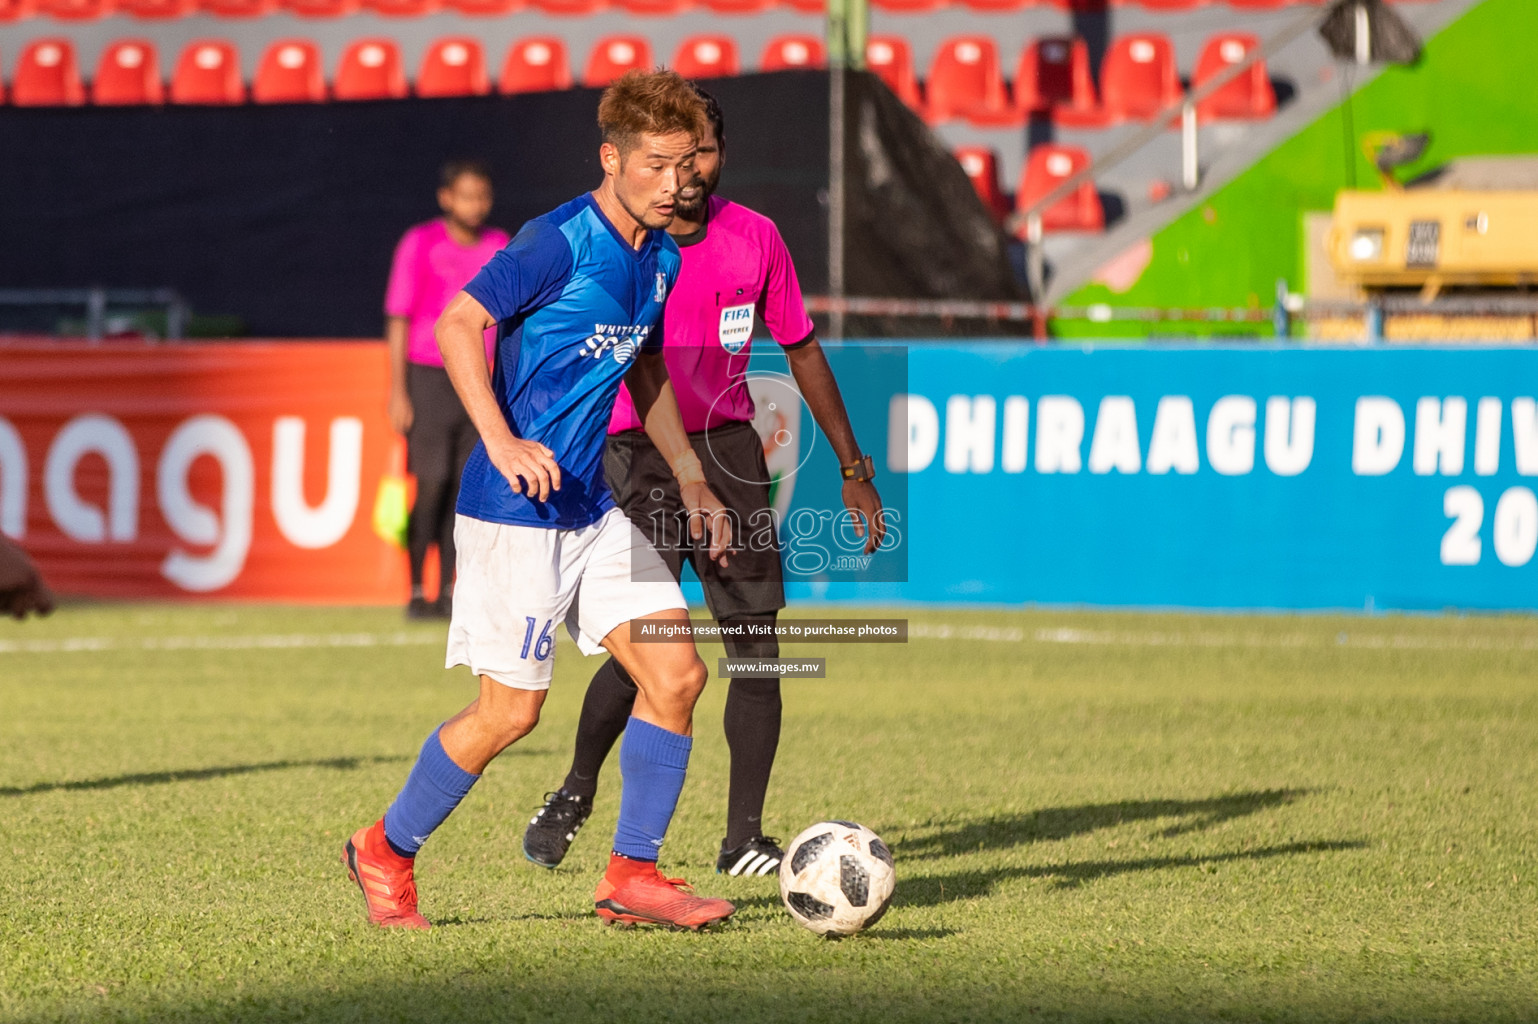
{"x": 1210, "y": 477}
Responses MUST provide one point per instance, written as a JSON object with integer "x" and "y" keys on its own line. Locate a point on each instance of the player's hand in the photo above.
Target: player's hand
{"x": 22, "y": 589}
{"x": 402, "y": 415}
{"x": 528, "y": 465}
{"x": 707, "y": 513}
{"x": 864, "y": 506}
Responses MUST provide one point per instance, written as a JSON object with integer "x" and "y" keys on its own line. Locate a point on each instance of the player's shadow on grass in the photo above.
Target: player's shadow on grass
{"x": 933, "y": 890}
{"x": 1062, "y": 822}
{"x": 342, "y": 764}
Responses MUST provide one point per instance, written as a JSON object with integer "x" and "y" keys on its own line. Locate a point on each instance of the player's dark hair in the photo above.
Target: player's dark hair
{"x": 657, "y": 102}
{"x": 453, "y": 170}
{"x": 713, "y": 115}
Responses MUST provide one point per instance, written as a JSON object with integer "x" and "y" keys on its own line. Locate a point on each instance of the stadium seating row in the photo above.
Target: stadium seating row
{"x": 290, "y": 71}
{"x": 1048, "y": 166}
{"x": 1138, "y": 79}
{"x": 84, "y": 10}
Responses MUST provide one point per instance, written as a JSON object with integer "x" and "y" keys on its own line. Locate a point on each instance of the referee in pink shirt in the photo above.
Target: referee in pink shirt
{"x": 735, "y": 268}
{"x": 432, "y": 263}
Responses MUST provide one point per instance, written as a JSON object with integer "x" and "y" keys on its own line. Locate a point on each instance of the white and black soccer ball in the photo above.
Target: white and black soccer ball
{"x": 837, "y": 878}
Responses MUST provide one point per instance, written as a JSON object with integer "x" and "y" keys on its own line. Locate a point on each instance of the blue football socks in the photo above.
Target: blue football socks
{"x": 434, "y": 788}
{"x": 653, "y": 763}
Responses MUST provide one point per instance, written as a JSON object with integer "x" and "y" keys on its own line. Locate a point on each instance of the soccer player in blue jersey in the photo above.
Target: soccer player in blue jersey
{"x": 577, "y": 299}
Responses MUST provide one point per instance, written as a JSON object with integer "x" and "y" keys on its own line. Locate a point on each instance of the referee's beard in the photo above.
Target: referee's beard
{"x": 694, "y": 209}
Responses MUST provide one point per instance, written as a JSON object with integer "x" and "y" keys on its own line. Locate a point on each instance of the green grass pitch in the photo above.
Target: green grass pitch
{"x": 1096, "y": 817}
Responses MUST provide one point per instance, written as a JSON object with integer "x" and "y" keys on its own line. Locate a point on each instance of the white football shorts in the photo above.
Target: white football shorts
{"x": 517, "y": 584}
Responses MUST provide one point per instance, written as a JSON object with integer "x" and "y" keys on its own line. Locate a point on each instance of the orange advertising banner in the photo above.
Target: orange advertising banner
{"x": 237, "y": 470}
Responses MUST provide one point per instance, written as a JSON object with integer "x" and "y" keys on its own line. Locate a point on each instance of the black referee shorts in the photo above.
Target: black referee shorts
{"x": 733, "y": 459}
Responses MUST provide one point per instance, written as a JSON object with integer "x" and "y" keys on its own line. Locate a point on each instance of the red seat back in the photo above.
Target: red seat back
{"x": 891, "y": 59}
{"x": 612, "y": 56}
{"x": 76, "y": 10}
{"x": 16, "y": 10}
{"x": 47, "y": 75}
{"x": 238, "y": 8}
{"x": 402, "y": 8}
{"x": 707, "y": 57}
{"x": 157, "y": 10}
{"x": 981, "y": 165}
{"x": 289, "y": 72}
{"x": 1048, "y": 167}
{"x": 787, "y": 52}
{"x": 537, "y": 64}
{"x": 322, "y": 8}
{"x": 128, "y": 73}
{"x": 453, "y": 66}
{"x": 965, "y": 81}
{"x": 1139, "y": 78}
{"x": 208, "y": 71}
{"x": 371, "y": 69}
{"x": 1248, "y": 96}
{"x": 1054, "y": 72}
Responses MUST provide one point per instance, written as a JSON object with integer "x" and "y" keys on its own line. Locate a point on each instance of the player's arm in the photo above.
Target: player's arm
{"x": 655, "y": 403}
{"x": 814, "y": 377}
{"x": 397, "y": 331}
{"x": 461, "y": 334}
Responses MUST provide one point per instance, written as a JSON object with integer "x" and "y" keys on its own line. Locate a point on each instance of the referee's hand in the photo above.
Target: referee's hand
{"x": 22, "y": 590}
{"x": 707, "y": 513}
{"x": 528, "y": 465}
{"x": 864, "y": 506}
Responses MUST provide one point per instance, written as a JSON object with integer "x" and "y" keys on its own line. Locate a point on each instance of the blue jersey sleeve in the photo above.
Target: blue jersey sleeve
{"x": 529, "y": 273}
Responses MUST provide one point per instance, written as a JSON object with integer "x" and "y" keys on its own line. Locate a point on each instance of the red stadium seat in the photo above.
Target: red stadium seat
{"x": 453, "y": 66}
{"x": 536, "y": 65}
{"x": 1139, "y": 79}
{"x": 16, "y": 10}
{"x": 157, "y": 10}
{"x": 483, "y": 8}
{"x": 612, "y": 56}
{"x": 208, "y": 71}
{"x": 1171, "y": 5}
{"x": 907, "y": 6}
{"x": 289, "y": 72}
{"x": 47, "y": 75}
{"x": 788, "y": 52}
{"x": 76, "y": 10}
{"x": 965, "y": 81}
{"x": 653, "y": 7}
{"x": 1053, "y": 76}
{"x": 737, "y": 6}
{"x": 707, "y": 57}
{"x": 992, "y": 6}
{"x": 238, "y": 8}
{"x": 573, "y": 8}
{"x": 402, "y": 8}
{"x": 371, "y": 69}
{"x": 982, "y": 167}
{"x": 322, "y": 8}
{"x": 807, "y": 6}
{"x": 128, "y": 74}
{"x": 891, "y": 60}
{"x": 1048, "y": 167}
{"x": 1247, "y": 97}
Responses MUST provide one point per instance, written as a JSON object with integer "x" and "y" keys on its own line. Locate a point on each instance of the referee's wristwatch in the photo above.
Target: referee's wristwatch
{"x": 860, "y": 470}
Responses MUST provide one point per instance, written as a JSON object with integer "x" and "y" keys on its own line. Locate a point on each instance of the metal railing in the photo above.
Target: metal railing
{"x": 96, "y": 301}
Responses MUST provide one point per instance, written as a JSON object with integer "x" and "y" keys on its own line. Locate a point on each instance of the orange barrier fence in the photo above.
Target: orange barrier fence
{"x": 226, "y": 471}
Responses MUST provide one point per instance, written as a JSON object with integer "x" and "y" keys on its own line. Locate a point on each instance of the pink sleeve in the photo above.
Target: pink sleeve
{"x": 401, "y": 294}
{"x": 781, "y": 306}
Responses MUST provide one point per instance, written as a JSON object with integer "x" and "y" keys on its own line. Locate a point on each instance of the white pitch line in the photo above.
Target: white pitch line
{"x": 1105, "y": 638}
{"x": 250, "y": 642}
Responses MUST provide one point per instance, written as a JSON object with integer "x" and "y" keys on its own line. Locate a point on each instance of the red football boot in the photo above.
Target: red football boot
{"x": 385, "y": 878}
{"x": 635, "y": 892}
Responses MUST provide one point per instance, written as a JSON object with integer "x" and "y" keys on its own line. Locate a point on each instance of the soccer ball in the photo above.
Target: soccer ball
{"x": 837, "y": 878}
